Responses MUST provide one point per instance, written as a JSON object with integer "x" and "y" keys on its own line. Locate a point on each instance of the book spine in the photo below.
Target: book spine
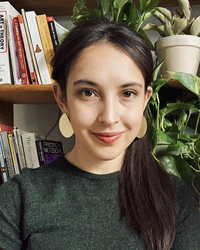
{"x": 60, "y": 30}
{"x": 5, "y": 74}
{"x": 20, "y": 53}
{"x": 30, "y": 150}
{"x": 40, "y": 152}
{"x": 53, "y": 33}
{"x": 20, "y": 149}
{"x": 37, "y": 47}
{"x": 12, "y": 12}
{"x": 3, "y": 165}
{"x": 13, "y": 153}
{"x": 46, "y": 40}
{"x": 27, "y": 51}
{"x": 7, "y": 152}
{"x": 51, "y": 150}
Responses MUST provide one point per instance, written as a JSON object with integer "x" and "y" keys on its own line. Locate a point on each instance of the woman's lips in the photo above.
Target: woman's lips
{"x": 108, "y": 138}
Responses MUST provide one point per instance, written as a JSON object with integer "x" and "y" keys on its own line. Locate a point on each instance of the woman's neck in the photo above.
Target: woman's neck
{"x": 94, "y": 165}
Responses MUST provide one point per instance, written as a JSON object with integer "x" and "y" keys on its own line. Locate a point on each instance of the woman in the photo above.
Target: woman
{"x": 108, "y": 192}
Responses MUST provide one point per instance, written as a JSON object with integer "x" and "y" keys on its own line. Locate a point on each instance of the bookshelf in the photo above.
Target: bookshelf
{"x": 22, "y": 94}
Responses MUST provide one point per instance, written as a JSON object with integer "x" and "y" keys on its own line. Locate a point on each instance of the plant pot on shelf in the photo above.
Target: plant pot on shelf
{"x": 181, "y": 53}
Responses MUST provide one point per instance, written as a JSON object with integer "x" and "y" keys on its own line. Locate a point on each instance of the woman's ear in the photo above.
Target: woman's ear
{"x": 61, "y": 101}
{"x": 148, "y": 95}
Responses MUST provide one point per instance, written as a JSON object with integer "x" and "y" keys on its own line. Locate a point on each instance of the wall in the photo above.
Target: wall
{"x": 41, "y": 118}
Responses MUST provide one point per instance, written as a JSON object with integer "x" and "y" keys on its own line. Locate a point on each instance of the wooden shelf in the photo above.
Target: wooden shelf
{"x": 27, "y": 94}
{"x": 65, "y": 7}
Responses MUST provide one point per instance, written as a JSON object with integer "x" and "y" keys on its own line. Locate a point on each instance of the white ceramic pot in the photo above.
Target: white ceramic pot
{"x": 181, "y": 54}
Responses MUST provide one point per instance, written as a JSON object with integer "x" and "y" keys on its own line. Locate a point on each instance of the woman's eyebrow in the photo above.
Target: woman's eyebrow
{"x": 132, "y": 84}
{"x": 91, "y": 83}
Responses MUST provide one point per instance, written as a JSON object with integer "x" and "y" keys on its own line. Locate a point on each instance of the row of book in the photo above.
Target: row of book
{"x": 20, "y": 149}
{"x": 27, "y": 44}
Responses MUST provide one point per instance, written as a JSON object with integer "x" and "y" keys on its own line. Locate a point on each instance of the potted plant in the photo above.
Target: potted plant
{"x": 180, "y": 44}
{"x": 167, "y": 124}
{"x": 118, "y": 11}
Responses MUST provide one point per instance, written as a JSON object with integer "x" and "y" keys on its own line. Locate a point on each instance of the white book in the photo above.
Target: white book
{"x": 5, "y": 72}
{"x": 37, "y": 47}
{"x": 60, "y": 30}
{"x": 12, "y": 12}
{"x": 30, "y": 150}
{"x": 3, "y": 166}
{"x": 18, "y": 133}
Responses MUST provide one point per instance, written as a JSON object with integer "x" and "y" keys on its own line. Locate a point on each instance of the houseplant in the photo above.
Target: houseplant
{"x": 181, "y": 53}
{"x": 118, "y": 11}
{"x": 167, "y": 123}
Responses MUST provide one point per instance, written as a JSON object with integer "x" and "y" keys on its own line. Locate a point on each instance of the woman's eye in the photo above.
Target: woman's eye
{"x": 128, "y": 94}
{"x": 87, "y": 92}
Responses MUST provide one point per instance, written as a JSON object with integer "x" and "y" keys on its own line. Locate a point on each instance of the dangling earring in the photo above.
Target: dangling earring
{"x": 65, "y": 126}
{"x": 143, "y": 128}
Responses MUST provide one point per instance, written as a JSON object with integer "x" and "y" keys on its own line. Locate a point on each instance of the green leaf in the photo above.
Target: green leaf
{"x": 82, "y": 13}
{"x": 185, "y": 6}
{"x": 168, "y": 137}
{"x": 119, "y": 5}
{"x": 177, "y": 166}
{"x": 166, "y": 15}
{"x": 133, "y": 16}
{"x": 175, "y": 147}
{"x": 195, "y": 27}
{"x": 197, "y": 146}
{"x": 156, "y": 71}
{"x": 78, "y": 6}
{"x": 168, "y": 29}
{"x": 105, "y": 5}
{"x": 174, "y": 106}
{"x": 146, "y": 38}
{"x": 169, "y": 166}
{"x": 179, "y": 26}
{"x": 148, "y": 5}
{"x": 152, "y": 135}
{"x": 189, "y": 81}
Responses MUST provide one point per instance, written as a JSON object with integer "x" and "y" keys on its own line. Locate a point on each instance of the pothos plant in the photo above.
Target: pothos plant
{"x": 124, "y": 11}
{"x": 167, "y": 122}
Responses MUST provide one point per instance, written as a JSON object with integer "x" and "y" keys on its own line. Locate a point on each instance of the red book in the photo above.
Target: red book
{"x": 27, "y": 50}
{"x": 20, "y": 52}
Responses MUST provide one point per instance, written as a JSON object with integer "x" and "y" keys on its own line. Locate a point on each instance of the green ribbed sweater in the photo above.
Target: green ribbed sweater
{"x": 59, "y": 206}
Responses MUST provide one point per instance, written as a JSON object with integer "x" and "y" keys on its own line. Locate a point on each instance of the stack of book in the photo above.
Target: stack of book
{"x": 20, "y": 149}
{"x": 27, "y": 44}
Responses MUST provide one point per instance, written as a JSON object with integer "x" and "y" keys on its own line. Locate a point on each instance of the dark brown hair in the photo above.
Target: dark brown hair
{"x": 147, "y": 197}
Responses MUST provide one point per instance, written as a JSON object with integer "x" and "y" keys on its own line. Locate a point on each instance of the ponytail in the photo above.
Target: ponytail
{"x": 147, "y": 196}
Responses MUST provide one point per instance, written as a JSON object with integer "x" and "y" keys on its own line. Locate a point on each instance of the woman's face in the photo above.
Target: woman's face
{"x": 105, "y": 102}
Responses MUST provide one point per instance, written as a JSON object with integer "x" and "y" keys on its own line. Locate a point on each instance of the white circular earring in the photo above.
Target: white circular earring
{"x": 65, "y": 126}
{"x": 143, "y": 128}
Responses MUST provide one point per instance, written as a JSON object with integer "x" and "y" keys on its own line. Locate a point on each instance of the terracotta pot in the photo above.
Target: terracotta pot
{"x": 180, "y": 52}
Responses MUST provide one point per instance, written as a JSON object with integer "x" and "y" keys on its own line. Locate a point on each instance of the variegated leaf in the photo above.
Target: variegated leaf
{"x": 165, "y": 13}
{"x": 195, "y": 27}
{"x": 185, "y": 6}
{"x": 168, "y": 30}
{"x": 179, "y": 26}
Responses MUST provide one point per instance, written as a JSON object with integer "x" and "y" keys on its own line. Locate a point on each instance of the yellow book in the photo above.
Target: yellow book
{"x": 13, "y": 152}
{"x": 46, "y": 40}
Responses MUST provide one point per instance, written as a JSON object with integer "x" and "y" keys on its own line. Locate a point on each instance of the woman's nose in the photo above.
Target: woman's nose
{"x": 109, "y": 112}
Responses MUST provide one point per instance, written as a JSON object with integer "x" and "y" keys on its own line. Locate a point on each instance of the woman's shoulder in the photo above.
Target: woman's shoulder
{"x": 42, "y": 175}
